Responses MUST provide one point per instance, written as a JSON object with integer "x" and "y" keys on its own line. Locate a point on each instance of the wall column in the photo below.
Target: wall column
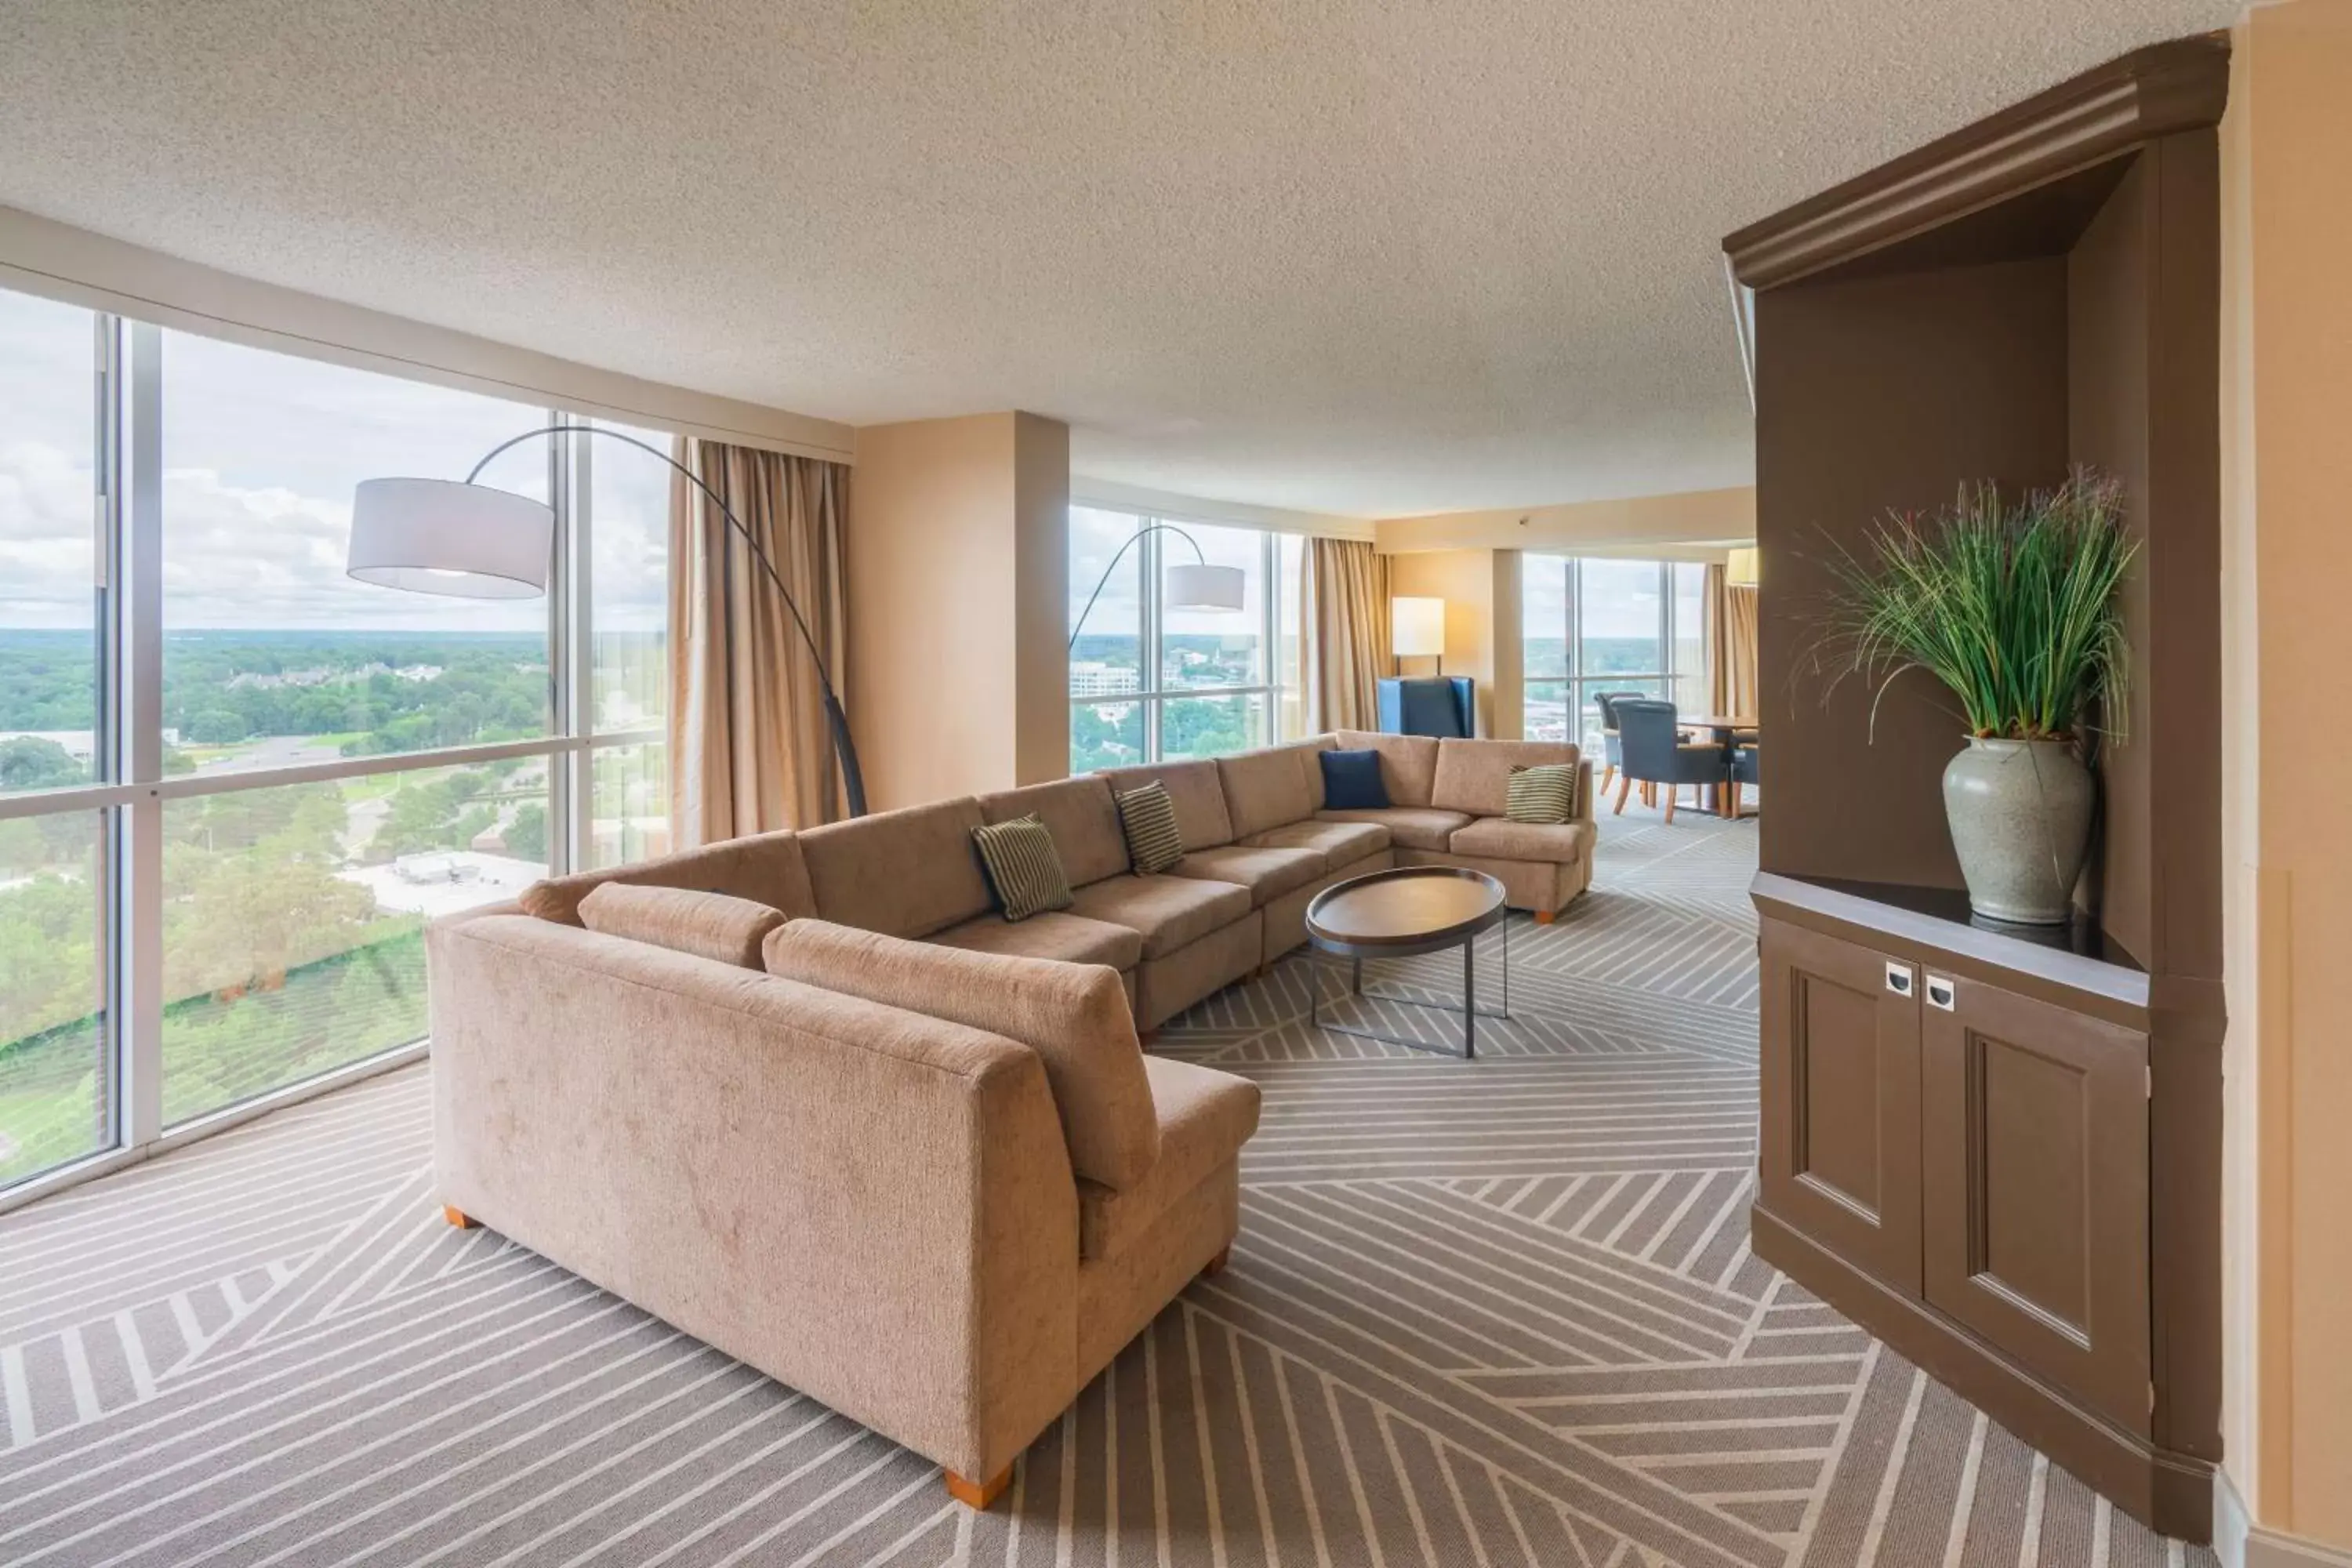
{"x": 959, "y": 567}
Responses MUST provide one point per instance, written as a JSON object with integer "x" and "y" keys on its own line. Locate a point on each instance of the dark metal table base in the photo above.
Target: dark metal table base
{"x": 1469, "y": 1009}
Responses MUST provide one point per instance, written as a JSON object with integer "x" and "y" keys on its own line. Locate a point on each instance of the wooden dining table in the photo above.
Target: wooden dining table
{"x": 1719, "y": 728}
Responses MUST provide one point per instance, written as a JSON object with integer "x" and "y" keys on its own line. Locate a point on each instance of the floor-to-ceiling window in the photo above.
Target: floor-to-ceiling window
{"x": 1597, "y": 623}
{"x": 1150, "y": 679}
{"x": 234, "y": 783}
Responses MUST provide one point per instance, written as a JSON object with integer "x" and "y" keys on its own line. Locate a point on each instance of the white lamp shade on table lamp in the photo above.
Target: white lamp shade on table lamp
{"x": 438, "y": 536}
{"x": 1740, "y": 568}
{"x": 1417, "y": 628}
{"x": 1204, "y": 587}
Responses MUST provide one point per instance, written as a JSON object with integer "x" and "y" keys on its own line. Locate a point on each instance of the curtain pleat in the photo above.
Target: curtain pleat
{"x": 1716, "y": 595}
{"x": 750, "y": 750}
{"x": 1743, "y": 679}
{"x": 1345, "y": 606}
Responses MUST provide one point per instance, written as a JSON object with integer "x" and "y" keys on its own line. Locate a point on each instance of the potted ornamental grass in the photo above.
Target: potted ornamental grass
{"x": 2013, "y": 606}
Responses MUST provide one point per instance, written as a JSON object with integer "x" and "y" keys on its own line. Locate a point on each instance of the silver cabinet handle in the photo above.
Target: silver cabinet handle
{"x": 1898, "y": 979}
{"x": 1941, "y": 993}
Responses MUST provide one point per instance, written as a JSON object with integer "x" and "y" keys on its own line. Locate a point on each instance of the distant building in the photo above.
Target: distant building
{"x": 1091, "y": 677}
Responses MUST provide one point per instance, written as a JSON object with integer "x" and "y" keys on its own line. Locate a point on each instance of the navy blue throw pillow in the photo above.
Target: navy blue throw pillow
{"x": 1351, "y": 782}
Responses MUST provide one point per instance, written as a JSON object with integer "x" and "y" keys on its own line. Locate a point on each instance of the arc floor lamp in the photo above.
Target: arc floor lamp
{"x": 1200, "y": 586}
{"x": 469, "y": 540}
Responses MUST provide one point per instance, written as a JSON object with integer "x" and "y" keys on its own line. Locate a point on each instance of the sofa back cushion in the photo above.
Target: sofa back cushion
{"x": 1198, "y": 792}
{"x": 1265, "y": 789}
{"x": 1308, "y": 751}
{"x": 1407, "y": 762}
{"x": 765, "y": 868}
{"x": 908, "y": 873}
{"x": 1074, "y": 1016}
{"x": 1081, "y": 817}
{"x": 708, "y": 925}
{"x": 1476, "y": 775}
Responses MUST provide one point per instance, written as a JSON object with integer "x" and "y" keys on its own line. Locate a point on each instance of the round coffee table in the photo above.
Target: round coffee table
{"x": 1404, "y": 913}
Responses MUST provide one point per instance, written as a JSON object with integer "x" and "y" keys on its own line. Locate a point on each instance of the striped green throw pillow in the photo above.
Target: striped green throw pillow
{"x": 1023, "y": 868}
{"x": 1541, "y": 795}
{"x": 1149, "y": 819}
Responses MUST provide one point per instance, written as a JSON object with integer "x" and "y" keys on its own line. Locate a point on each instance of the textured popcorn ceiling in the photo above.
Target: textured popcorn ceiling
{"x": 1376, "y": 259}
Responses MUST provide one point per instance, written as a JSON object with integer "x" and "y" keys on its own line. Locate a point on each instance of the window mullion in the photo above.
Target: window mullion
{"x": 1147, "y": 589}
{"x": 139, "y": 735}
{"x": 570, "y": 648}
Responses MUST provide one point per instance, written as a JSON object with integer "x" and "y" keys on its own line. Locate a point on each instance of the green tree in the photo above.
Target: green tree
{"x": 28, "y": 761}
{"x": 217, "y": 727}
{"x": 526, "y": 835}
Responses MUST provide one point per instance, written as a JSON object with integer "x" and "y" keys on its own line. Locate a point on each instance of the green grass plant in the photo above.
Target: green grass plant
{"x": 2012, "y": 605}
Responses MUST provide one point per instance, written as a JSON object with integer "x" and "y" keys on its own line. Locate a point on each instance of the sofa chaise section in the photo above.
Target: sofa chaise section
{"x": 855, "y": 1176}
{"x": 1447, "y": 801}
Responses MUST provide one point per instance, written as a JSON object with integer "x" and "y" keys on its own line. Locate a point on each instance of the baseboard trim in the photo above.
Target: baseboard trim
{"x": 2239, "y": 1542}
{"x": 2170, "y": 1493}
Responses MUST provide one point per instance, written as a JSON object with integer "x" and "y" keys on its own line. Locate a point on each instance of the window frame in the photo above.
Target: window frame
{"x": 1577, "y": 686}
{"x": 130, "y": 789}
{"x": 1152, "y": 692}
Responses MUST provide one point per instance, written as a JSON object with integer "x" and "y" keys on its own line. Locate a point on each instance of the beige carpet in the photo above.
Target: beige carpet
{"x": 1490, "y": 1314}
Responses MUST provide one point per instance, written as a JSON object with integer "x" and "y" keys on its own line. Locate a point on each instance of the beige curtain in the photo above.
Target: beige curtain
{"x": 1344, "y": 606}
{"x": 749, "y": 751}
{"x": 1716, "y": 595}
{"x": 1741, "y": 676}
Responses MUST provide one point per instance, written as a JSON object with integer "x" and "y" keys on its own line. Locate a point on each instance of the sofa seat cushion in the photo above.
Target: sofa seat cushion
{"x": 1413, "y": 826}
{"x": 1339, "y": 843}
{"x": 1167, "y": 913}
{"x": 1266, "y": 873}
{"x": 1074, "y": 1016}
{"x": 1064, "y": 937}
{"x": 1205, "y": 1116}
{"x": 1499, "y": 839}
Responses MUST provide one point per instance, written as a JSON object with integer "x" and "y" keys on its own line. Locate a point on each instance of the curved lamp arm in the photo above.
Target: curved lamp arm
{"x": 853, "y": 778}
{"x": 1119, "y": 555}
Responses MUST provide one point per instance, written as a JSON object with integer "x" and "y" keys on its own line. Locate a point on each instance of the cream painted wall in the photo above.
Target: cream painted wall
{"x": 1668, "y": 526}
{"x": 1481, "y": 590}
{"x": 959, "y": 554}
{"x": 2287, "y": 558}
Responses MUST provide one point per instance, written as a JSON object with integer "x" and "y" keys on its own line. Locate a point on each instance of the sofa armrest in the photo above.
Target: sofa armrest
{"x": 869, "y": 1204}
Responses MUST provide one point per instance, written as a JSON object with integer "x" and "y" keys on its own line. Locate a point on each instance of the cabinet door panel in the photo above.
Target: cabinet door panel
{"x": 2036, "y": 1188}
{"x": 1841, "y": 1080}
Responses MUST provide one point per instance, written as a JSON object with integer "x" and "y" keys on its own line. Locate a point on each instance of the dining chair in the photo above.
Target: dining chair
{"x": 1655, "y": 752}
{"x": 1612, "y": 749}
{"x": 1747, "y": 768}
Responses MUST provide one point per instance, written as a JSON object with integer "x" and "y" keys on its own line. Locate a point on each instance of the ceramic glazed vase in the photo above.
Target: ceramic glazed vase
{"x": 2020, "y": 818}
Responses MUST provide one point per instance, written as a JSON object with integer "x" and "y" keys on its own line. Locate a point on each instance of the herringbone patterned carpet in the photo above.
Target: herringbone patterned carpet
{"x": 1499, "y": 1313}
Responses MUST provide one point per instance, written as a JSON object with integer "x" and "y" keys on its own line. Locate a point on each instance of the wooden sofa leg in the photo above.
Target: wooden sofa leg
{"x": 459, "y": 1218}
{"x": 978, "y": 1494}
{"x": 1545, "y": 917}
{"x": 1216, "y": 1266}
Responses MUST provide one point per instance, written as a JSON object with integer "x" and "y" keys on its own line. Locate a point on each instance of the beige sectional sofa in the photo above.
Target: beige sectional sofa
{"x": 824, "y": 1108}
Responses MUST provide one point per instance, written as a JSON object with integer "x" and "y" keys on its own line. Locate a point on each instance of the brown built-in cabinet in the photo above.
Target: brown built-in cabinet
{"x": 2000, "y": 1150}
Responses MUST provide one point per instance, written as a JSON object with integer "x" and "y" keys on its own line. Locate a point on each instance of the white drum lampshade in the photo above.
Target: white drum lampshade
{"x": 1741, "y": 568}
{"x": 1417, "y": 628}
{"x": 438, "y": 536}
{"x": 1204, "y": 587}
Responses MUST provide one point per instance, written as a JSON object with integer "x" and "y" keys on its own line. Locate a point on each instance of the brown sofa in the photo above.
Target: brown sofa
{"x": 916, "y": 1163}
